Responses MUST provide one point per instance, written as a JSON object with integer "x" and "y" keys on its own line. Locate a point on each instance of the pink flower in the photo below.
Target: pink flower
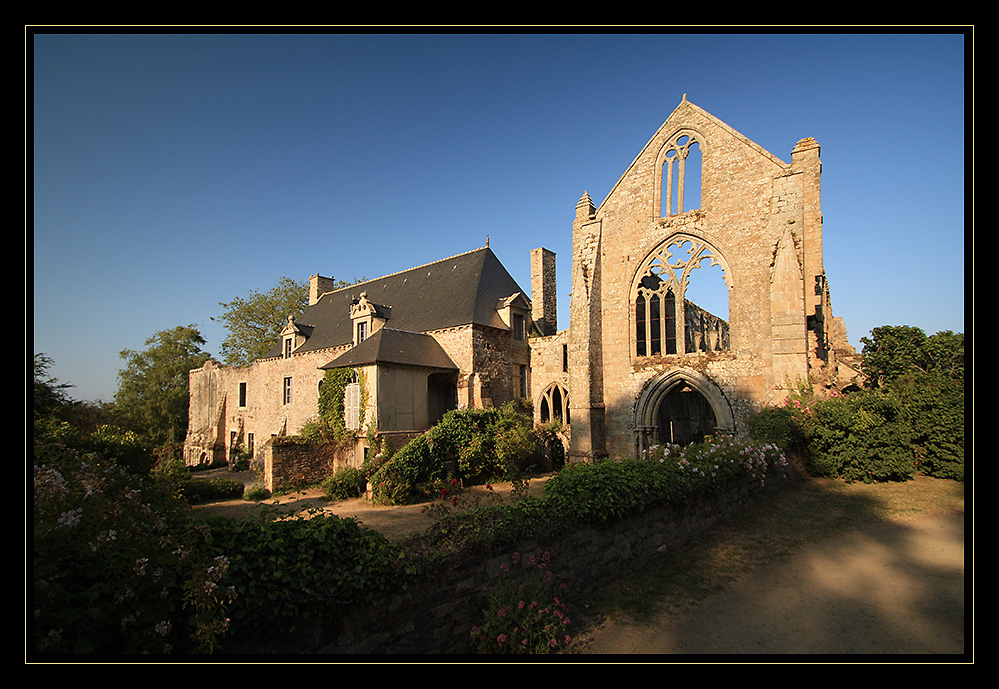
{"x": 501, "y": 639}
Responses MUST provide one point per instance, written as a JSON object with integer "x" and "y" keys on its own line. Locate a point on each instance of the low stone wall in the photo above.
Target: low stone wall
{"x": 292, "y": 464}
{"x": 436, "y": 616}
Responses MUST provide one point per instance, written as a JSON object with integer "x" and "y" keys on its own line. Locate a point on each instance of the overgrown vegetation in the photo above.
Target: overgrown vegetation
{"x": 908, "y": 420}
{"x": 120, "y": 565}
{"x": 468, "y": 445}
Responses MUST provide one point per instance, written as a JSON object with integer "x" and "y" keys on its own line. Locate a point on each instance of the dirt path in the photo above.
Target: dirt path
{"x": 395, "y": 523}
{"x": 897, "y": 589}
{"x": 894, "y": 589}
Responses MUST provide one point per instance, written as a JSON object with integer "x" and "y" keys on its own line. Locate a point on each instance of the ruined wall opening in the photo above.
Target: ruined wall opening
{"x": 680, "y": 406}
{"x": 680, "y": 174}
{"x": 553, "y": 405}
{"x": 683, "y": 270}
{"x": 685, "y": 417}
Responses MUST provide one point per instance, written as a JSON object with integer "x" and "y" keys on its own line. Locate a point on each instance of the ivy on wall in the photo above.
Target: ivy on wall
{"x": 331, "y": 397}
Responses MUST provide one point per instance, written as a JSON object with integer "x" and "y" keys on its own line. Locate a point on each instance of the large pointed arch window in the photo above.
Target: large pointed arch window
{"x": 677, "y": 308}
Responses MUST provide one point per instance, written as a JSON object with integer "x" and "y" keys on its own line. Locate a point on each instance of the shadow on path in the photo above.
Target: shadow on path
{"x": 897, "y": 589}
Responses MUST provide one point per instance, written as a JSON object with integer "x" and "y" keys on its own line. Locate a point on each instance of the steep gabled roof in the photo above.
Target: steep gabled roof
{"x": 390, "y": 346}
{"x": 461, "y": 290}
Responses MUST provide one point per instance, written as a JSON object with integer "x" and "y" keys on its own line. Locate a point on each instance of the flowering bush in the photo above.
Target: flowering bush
{"x": 608, "y": 490}
{"x": 116, "y": 563}
{"x": 526, "y": 611}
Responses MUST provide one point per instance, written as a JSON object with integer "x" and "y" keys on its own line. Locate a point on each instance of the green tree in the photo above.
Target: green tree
{"x": 254, "y": 323}
{"x": 49, "y": 395}
{"x": 153, "y": 387}
{"x": 895, "y": 350}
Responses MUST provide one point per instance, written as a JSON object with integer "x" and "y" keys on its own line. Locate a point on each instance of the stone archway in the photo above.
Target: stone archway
{"x": 680, "y": 406}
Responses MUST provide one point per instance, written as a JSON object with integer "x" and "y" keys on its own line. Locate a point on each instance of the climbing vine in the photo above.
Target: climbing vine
{"x": 331, "y": 397}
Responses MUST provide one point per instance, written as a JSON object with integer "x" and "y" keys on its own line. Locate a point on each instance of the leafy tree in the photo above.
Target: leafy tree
{"x": 255, "y": 322}
{"x": 153, "y": 387}
{"x": 894, "y": 350}
{"x": 49, "y": 395}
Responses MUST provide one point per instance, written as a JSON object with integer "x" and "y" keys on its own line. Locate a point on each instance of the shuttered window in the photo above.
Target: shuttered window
{"x": 351, "y": 406}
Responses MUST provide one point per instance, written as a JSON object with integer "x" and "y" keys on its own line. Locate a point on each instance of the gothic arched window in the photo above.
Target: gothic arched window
{"x": 679, "y": 184}
{"x": 667, "y": 320}
{"x": 554, "y": 404}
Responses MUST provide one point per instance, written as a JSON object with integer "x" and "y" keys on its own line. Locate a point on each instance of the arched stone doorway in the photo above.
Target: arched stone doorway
{"x": 680, "y": 407}
{"x": 684, "y": 416}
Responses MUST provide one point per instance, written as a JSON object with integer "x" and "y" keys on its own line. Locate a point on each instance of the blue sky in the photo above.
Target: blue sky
{"x": 170, "y": 173}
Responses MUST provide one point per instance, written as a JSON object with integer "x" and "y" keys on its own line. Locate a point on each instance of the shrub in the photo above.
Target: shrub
{"x": 472, "y": 445}
{"x": 609, "y": 490}
{"x": 256, "y": 494}
{"x": 915, "y": 425}
{"x": 346, "y": 483}
{"x": 201, "y": 490}
{"x": 932, "y": 406}
{"x": 290, "y": 571}
{"x": 526, "y": 613}
{"x": 117, "y": 566}
{"x": 780, "y": 426}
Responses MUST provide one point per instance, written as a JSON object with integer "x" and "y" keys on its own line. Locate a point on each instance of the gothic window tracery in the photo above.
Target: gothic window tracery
{"x": 666, "y": 322}
{"x": 680, "y": 180}
{"x": 554, "y": 404}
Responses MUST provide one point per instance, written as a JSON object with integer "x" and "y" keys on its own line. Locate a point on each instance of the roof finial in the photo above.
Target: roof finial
{"x": 487, "y": 241}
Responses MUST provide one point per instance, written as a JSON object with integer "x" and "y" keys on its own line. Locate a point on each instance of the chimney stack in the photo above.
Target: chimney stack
{"x": 543, "y": 299}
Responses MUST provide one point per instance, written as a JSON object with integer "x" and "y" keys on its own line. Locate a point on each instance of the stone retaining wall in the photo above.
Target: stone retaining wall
{"x": 436, "y": 616}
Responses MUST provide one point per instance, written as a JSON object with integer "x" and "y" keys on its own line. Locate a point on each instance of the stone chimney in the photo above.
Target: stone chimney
{"x": 318, "y": 286}
{"x": 544, "y": 304}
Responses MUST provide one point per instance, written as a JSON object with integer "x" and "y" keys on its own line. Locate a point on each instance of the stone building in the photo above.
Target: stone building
{"x": 642, "y": 362}
{"x": 645, "y": 365}
{"x": 449, "y": 334}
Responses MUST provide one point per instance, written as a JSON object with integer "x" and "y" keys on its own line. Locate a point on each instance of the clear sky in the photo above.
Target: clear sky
{"x": 170, "y": 173}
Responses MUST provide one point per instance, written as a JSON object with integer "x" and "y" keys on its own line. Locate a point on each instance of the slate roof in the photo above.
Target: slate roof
{"x": 390, "y": 346}
{"x": 456, "y": 291}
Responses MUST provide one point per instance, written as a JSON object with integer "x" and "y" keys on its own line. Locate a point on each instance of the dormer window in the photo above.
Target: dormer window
{"x": 367, "y": 317}
{"x": 293, "y": 336}
{"x": 519, "y": 327}
{"x": 515, "y": 311}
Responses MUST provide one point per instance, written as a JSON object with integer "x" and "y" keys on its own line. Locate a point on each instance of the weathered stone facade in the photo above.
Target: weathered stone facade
{"x": 641, "y": 362}
{"x": 634, "y": 381}
{"x": 461, "y": 341}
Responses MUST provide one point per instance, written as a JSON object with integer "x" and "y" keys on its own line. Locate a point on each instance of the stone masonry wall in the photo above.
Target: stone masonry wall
{"x": 436, "y": 616}
{"x": 760, "y": 217}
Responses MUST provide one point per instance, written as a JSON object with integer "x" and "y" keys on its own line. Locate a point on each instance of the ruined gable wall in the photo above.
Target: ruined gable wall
{"x": 547, "y": 357}
{"x": 735, "y": 217}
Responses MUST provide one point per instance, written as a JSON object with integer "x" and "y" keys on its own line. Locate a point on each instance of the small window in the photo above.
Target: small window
{"x": 362, "y": 332}
{"x": 287, "y": 390}
{"x": 242, "y": 394}
{"x": 522, "y": 381}
{"x": 519, "y": 332}
{"x": 287, "y": 347}
{"x": 352, "y": 406}
{"x": 249, "y": 443}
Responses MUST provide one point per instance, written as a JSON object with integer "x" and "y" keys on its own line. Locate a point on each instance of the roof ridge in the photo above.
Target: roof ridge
{"x": 407, "y": 270}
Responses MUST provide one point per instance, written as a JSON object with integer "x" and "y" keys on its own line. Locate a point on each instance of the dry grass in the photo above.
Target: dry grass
{"x": 811, "y": 511}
